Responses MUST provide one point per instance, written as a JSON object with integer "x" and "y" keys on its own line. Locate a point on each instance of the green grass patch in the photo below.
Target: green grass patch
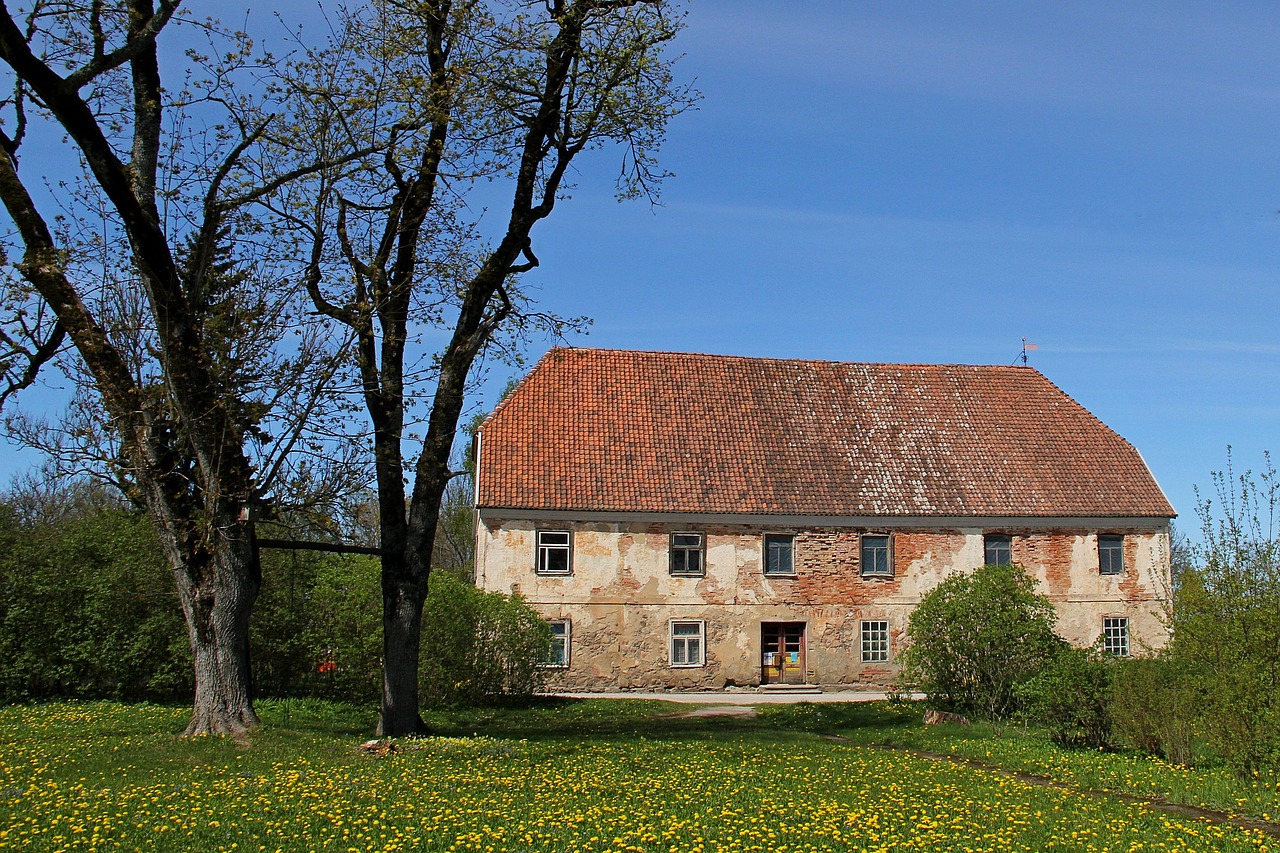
{"x": 563, "y": 776}
{"x": 1030, "y": 750}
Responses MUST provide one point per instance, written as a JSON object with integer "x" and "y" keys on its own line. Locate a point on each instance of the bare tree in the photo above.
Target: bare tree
{"x": 160, "y": 276}
{"x": 503, "y": 97}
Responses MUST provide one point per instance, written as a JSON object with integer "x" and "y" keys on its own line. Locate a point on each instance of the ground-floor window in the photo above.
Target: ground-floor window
{"x": 558, "y": 653}
{"x": 688, "y": 642}
{"x": 875, "y": 641}
{"x": 1115, "y": 635}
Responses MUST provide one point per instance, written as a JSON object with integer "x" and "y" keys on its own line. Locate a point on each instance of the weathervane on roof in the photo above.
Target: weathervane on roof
{"x": 1026, "y": 347}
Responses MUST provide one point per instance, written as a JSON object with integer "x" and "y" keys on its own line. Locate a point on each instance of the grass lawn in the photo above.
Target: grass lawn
{"x": 565, "y": 776}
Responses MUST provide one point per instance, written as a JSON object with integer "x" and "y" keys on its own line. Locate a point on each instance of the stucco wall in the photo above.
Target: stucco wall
{"x": 621, "y": 597}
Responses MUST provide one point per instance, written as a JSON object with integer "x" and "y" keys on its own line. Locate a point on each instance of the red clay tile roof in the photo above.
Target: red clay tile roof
{"x": 617, "y": 430}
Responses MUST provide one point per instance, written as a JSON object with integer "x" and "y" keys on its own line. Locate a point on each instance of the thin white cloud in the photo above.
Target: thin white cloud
{"x": 1088, "y": 53}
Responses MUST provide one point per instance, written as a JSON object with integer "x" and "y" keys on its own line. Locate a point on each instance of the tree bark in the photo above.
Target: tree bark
{"x": 218, "y": 587}
{"x": 401, "y": 639}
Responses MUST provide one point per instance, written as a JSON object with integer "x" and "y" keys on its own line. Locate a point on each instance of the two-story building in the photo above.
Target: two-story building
{"x": 695, "y": 521}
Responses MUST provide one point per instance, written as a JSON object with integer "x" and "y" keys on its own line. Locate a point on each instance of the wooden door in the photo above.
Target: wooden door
{"x": 782, "y": 653}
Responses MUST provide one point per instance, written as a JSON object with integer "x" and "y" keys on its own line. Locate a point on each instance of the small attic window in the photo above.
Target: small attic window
{"x": 686, "y": 554}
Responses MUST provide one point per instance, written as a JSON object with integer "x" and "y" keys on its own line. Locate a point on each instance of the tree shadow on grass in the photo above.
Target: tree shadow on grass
{"x": 555, "y": 718}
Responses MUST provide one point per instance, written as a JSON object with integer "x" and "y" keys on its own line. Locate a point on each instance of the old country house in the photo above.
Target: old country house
{"x": 696, "y": 521}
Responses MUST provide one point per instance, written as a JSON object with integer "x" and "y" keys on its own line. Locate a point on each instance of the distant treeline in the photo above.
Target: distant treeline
{"x": 89, "y": 609}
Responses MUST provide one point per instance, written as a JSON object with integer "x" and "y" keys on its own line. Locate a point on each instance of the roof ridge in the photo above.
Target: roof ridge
{"x": 785, "y": 360}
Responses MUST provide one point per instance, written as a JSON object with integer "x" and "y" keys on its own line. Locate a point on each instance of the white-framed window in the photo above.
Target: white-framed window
{"x": 688, "y": 642}
{"x": 1110, "y": 554}
{"x": 687, "y": 554}
{"x": 554, "y": 552}
{"x": 875, "y": 641}
{"x": 1115, "y": 635}
{"x": 877, "y": 555}
{"x": 779, "y": 554}
{"x": 558, "y": 653}
{"x": 997, "y": 549}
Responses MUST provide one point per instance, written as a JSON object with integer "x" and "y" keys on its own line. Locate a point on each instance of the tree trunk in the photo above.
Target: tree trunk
{"x": 218, "y": 590}
{"x": 401, "y": 641}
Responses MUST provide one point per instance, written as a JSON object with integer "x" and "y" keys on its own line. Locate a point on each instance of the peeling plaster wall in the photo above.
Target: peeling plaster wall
{"x": 621, "y": 597}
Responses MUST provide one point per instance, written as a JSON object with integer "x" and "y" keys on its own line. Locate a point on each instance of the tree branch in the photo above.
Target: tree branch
{"x": 35, "y": 360}
{"x": 141, "y": 38}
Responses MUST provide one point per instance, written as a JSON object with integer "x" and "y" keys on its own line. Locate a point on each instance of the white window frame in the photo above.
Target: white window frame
{"x": 681, "y": 642}
{"x": 543, "y": 549}
{"x": 1102, "y": 570}
{"x": 1115, "y": 635}
{"x": 862, "y": 563}
{"x": 875, "y": 649}
{"x": 700, "y": 550}
{"x": 565, "y": 641}
{"x": 764, "y": 554}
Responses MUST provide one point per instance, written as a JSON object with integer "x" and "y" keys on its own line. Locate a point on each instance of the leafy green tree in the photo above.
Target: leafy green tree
{"x": 342, "y": 633}
{"x": 1157, "y": 704}
{"x": 89, "y": 606}
{"x": 153, "y": 277}
{"x": 477, "y": 99}
{"x": 1226, "y": 618}
{"x": 976, "y": 637}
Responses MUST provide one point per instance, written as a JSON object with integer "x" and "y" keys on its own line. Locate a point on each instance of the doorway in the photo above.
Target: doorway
{"x": 782, "y": 653}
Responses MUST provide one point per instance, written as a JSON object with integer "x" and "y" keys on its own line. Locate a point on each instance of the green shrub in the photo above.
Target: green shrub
{"x": 479, "y": 645}
{"x": 1072, "y": 696}
{"x": 343, "y": 634}
{"x": 90, "y": 610}
{"x": 1226, "y": 645}
{"x": 1154, "y": 706}
{"x": 974, "y": 638}
{"x": 1226, "y": 620}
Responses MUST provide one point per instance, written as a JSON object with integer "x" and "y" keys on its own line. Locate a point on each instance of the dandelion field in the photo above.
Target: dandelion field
{"x": 618, "y": 777}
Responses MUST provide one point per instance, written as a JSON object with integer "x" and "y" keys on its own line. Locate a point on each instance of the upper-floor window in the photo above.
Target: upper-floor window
{"x": 1110, "y": 554}
{"x": 554, "y": 557}
{"x": 779, "y": 554}
{"x": 687, "y": 554}
{"x": 997, "y": 549}
{"x": 1115, "y": 635}
{"x": 877, "y": 555}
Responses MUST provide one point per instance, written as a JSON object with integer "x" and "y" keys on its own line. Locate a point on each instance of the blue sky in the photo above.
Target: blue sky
{"x": 931, "y": 182}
